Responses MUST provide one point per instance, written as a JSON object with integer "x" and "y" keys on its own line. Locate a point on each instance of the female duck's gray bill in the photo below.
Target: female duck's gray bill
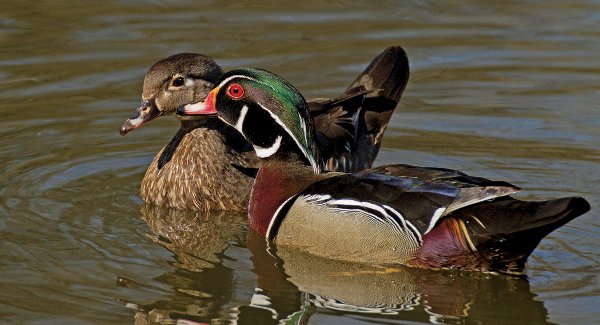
{"x": 146, "y": 112}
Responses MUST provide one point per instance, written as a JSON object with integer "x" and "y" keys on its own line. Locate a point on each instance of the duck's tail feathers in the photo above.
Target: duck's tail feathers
{"x": 497, "y": 236}
{"x": 350, "y": 127}
{"x": 384, "y": 79}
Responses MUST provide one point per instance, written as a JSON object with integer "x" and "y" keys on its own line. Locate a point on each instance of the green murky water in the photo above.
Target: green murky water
{"x": 505, "y": 90}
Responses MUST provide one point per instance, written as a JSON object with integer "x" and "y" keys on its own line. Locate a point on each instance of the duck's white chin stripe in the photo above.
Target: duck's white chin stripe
{"x": 269, "y": 151}
{"x": 261, "y": 152}
{"x": 240, "y": 122}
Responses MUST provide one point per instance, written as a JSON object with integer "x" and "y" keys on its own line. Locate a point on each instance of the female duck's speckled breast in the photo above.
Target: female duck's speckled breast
{"x": 201, "y": 175}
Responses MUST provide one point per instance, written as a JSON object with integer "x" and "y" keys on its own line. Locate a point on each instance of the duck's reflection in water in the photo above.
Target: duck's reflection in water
{"x": 200, "y": 284}
{"x": 446, "y": 296}
{"x": 289, "y": 287}
{"x": 197, "y": 238}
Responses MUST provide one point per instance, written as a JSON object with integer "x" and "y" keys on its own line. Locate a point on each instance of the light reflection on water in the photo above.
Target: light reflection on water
{"x": 501, "y": 90}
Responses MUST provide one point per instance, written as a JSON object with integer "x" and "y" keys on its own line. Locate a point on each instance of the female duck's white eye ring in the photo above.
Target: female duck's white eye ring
{"x": 235, "y": 91}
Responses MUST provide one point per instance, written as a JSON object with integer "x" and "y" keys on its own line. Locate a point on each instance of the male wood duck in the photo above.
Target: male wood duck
{"x": 209, "y": 166}
{"x": 396, "y": 214}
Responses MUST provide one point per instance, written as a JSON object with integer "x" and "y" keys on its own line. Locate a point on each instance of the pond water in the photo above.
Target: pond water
{"x": 506, "y": 90}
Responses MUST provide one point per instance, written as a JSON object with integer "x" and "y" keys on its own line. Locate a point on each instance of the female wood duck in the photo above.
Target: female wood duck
{"x": 209, "y": 166}
{"x": 426, "y": 217}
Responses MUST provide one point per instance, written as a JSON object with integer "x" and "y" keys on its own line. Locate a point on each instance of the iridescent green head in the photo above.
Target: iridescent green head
{"x": 270, "y": 113}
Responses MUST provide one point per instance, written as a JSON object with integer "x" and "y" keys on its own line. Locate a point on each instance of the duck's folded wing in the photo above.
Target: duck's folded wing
{"x": 420, "y": 195}
{"x": 394, "y": 203}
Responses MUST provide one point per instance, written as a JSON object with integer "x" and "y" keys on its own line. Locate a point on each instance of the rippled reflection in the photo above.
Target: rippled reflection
{"x": 291, "y": 286}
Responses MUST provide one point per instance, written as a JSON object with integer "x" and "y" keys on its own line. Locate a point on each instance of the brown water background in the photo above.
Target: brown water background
{"x": 502, "y": 89}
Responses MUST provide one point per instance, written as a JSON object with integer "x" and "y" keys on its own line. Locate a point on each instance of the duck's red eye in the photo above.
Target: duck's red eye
{"x": 235, "y": 91}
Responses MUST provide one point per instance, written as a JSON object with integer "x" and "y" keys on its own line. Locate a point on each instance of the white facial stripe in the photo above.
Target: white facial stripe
{"x": 303, "y": 128}
{"x": 189, "y": 82}
{"x": 316, "y": 167}
{"x": 261, "y": 152}
{"x": 310, "y": 158}
{"x": 235, "y": 76}
{"x": 268, "y": 152}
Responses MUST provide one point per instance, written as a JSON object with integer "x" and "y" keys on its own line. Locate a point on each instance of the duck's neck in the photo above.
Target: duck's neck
{"x": 206, "y": 166}
{"x": 231, "y": 136}
{"x": 187, "y": 126}
{"x": 209, "y": 123}
{"x": 278, "y": 180}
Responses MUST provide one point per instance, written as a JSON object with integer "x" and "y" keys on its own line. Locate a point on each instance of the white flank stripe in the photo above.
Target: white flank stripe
{"x": 316, "y": 167}
{"x": 317, "y": 198}
{"x": 406, "y": 224}
{"x": 397, "y": 214}
{"x": 415, "y": 231}
{"x": 367, "y": 205}
{"x": 434, "y": 219}
{"x": 402, "y": 227}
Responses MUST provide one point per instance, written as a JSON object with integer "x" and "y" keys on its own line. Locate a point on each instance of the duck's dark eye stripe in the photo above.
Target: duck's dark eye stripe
{"x": 178, "y": 82}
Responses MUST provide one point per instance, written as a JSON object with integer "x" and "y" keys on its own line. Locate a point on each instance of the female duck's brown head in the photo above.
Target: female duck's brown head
{"x": 171, "y": 82}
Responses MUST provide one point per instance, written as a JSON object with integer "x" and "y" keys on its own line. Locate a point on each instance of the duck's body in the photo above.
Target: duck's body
{"x": 183, "y": 175}
{"x": 397, "y": 214}
{"x": 183, "y": 182}
{"x": 402, "y": 214}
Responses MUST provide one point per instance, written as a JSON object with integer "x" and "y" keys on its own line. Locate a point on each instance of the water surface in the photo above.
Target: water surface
{"x": 505, "y": 90}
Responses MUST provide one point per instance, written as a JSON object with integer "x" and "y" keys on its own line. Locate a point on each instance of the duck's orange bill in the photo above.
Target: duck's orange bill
{"x": 207, "y": 107}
